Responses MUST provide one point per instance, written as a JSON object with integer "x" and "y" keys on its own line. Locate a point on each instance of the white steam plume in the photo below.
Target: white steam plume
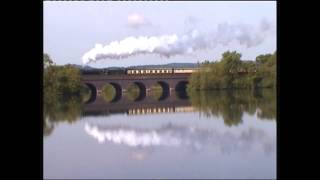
{"x": 170, "y": 45}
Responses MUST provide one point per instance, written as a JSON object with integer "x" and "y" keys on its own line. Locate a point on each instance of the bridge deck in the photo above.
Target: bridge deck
{"x": 91, "y": 77}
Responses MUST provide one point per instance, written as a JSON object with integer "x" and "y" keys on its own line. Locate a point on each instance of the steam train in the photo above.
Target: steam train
{"x": 133, "y": 71}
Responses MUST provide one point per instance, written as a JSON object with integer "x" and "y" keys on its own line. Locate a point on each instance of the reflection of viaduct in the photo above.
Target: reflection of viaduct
{"x": 147, "y": 105}
{"x": 173, "y": 98}
{"x": 121, "y": 82}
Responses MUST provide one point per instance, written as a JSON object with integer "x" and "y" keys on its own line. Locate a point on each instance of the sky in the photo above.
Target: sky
{"x": 73, "y": 28}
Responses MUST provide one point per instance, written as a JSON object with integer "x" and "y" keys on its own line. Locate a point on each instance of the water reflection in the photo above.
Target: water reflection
{"x": 230, "y": 105}
{"x": 223, "y": 135}
{"x": 65, "y": 110}
{"x": 197, "y": 138}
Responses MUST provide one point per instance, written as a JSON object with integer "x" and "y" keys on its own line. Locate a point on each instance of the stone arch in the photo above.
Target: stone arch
{"x": 165, "y": 90}
{"x": 93, "y": 91}
{"x": 181, "y": 89}
{"x": 118, "y": 94}
{"x": 142, "y": 90}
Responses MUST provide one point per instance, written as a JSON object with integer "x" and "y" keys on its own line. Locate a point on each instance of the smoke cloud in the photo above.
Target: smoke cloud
{"x": 171, "y": 45}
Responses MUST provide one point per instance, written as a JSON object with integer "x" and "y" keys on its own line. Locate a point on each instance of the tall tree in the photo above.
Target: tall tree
{"x": 47, "y": 61}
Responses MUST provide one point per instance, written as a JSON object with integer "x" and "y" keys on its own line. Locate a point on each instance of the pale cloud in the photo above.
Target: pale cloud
{"x": 137, "y": 20}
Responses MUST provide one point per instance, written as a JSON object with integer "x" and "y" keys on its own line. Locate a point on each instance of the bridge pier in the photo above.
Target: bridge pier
{"x": 171, "y": 91}
{"x": 124, "y": 90}
{"x": 99, "y": 92}
{"x": 148, "y": 91}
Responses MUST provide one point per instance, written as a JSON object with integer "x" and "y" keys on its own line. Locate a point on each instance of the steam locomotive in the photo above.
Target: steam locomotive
{"x": 103, "y": 71}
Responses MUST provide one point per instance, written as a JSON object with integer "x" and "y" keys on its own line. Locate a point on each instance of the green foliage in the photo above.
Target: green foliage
{"x": 194, "y": 83}
{"x": 233, "y": 73}
{"x": 60, "y": 81}
{"x": 156, "y": 91}
{"x": 230, "y": 62}
{"x": 108, "y": 92}
{"x": 261, "y": 59}
{"x": 69, "y": 80}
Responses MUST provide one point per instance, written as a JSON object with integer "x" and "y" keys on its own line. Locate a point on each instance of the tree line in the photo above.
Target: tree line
{"x": 230, "y": 72}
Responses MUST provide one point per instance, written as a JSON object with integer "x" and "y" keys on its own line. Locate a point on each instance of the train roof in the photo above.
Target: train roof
{"x": 152, "y": 68}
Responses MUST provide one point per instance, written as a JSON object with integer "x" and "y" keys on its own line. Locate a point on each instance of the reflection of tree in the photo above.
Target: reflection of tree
{"x": 133, "y": 92}
{"x": 57, "y": 110}
{"x": 156, "y": 91}
{"x": 232, "y": 104}
{"x": 47, "y": 128}
{"x": 267, "y": 104}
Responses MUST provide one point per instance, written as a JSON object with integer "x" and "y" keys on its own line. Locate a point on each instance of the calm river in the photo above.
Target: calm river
{"x": 208, "y": 135}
